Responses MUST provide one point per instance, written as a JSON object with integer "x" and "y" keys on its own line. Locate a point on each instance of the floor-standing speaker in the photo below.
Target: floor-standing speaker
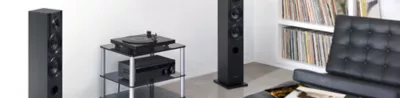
{"x": 45, "y": 53}
{"x": 230, "y": 44}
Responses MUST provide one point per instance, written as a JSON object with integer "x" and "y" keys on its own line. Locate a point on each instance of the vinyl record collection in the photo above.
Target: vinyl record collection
{"x": 313, "y": 11}
{"x": 307, "y": 46}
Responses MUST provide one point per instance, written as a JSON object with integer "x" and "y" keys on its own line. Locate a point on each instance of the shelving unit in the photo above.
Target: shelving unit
{"x": 142, "y": 86}
{"x": 290, "y": 64}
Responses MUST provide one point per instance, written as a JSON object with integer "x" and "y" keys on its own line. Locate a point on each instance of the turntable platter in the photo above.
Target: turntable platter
{"x": 138, "y": 40}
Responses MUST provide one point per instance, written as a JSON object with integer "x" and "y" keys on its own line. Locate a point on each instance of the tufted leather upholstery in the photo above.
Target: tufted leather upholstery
{"x": 364, "y": 49}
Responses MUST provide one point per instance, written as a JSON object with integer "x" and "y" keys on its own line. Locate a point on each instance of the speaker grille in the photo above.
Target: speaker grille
{"x": 236, "y": 16}
{"x": 54, "y": 46}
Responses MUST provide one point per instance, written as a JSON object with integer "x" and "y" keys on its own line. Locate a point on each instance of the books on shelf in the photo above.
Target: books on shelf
{"x": 313, "y": 11}
{"x": 307, "y": 46}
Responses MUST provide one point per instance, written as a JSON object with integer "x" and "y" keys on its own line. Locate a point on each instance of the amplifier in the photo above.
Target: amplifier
{"x": 150, "y": 67}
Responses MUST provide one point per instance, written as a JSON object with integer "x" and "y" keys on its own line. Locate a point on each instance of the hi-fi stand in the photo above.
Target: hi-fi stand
{"x": 140, "y": 86}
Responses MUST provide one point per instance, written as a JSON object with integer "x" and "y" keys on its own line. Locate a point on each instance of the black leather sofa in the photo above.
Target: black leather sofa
{"x": 364, "y": 59}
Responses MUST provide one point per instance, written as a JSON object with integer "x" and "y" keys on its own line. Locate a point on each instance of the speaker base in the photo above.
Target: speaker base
{"x": 230, "y": 86}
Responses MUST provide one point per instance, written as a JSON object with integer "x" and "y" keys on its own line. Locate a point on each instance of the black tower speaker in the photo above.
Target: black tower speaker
{"x": 45, "y": 53}
{"x": 230, "y": 44}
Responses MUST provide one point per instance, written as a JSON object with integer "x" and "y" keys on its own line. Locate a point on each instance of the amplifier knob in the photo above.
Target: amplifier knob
{"x": 165, "y": 72}
{"x": 172, "y": 70}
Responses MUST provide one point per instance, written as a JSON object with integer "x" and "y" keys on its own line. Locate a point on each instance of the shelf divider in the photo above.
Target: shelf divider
{"x": 113, "y": 48}
{"x": 305, "y": 25}
{"x": 141, "y": 80}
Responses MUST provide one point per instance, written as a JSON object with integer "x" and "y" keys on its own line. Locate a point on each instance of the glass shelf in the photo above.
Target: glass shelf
{"x": 140, "y": 79}
{"x": 144, "y": 92}
{"x": 111, "y": 47}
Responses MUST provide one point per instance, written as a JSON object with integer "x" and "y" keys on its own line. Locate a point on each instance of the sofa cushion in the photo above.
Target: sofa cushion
{"x": 345, "y": 85}
{"x": 366, "y": 49}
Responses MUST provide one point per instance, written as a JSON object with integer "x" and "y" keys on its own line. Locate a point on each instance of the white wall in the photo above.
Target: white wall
{"x": 390, "y": 9}
{"x": 266, "y": 25}
{"x": 90, "y": 23}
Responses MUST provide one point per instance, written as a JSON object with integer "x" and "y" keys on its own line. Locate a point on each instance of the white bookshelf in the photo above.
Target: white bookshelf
{"x": 291, "y": 64}
{"x": 305, "y": 25}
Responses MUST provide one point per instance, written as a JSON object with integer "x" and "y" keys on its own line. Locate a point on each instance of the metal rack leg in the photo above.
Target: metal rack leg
{"x": 182, "y": 68}
{"x": 131, "y": 77}
{"x": 119, "y": 86}
{"x": 119, "y": 89}
{"x": 151, "y": 88}
{"x": 104, "y": 72}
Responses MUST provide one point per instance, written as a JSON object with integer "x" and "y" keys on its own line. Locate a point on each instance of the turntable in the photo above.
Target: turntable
{"x": 144, "y": 43}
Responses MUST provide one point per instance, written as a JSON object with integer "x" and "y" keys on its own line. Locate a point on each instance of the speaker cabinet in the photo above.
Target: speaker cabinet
{"x": 45, "y": 53}
{"x": 230, "y": 44}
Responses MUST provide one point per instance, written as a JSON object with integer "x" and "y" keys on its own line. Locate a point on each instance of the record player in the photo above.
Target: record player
{"x": 141, "y": 44}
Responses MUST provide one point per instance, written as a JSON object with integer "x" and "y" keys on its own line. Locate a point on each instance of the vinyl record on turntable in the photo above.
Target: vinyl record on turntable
{"x": 138, "y": 40}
